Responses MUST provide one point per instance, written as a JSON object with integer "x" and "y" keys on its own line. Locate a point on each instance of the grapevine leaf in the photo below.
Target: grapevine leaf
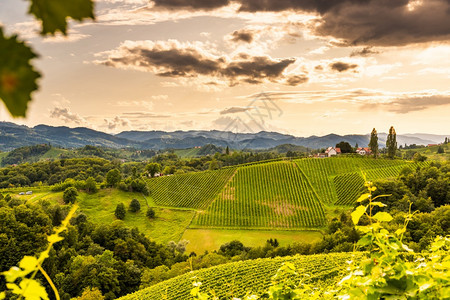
{"x": 363, "y": 197}
{"x": 17, "y": 75}
{"x": 54, "y": 238}
{"x": 379, "y": 204}
{"x": 31, "y": 289}
{"x": 357, "y": 214}
{"x": 2, "y": 295}
{"x": 28, "y": 263}
{"x": 383, "y": 217}
{"x": 54, "y": 13}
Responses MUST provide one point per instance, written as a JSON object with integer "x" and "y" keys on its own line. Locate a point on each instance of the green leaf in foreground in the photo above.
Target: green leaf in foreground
{"x": 17, "y": 75}
{"x": 357, "y": 214}
{"x": 383, "y": 217}
{"x": 54, "y": 13}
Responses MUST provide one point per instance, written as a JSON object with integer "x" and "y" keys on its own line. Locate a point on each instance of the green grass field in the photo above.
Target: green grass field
{"x": 201, "y": 240}
{"x": 233, "y": 280}
{"x": 187, "y": 153}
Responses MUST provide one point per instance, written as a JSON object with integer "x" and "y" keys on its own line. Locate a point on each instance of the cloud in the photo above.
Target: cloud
{"x": 354, "y": 22}
{"x": 116, "y": 122}
{"x": 175, "y": 59}
{"x": 66, "y": 115}
{"x": 296, "y": 80}
{"x": 409, "y": 104}
{"x": 367, "y": 99}
{"x": 364, "y": 52}
{"x": 143, "y": 115}
{"x": 242, "y": 35}
{"x": 342, "y": 66}
{"x": 233, "y": 110}
{"x": 190, "y": 4}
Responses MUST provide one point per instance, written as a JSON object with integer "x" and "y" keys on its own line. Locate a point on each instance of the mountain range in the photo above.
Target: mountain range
{"x": 13, "y": 136}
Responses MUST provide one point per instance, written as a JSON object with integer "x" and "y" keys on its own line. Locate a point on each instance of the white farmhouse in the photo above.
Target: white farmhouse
{"x": 331, "y": 151}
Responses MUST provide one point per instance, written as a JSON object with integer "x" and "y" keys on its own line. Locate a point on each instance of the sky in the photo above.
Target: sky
{"x": 309, "y": 67}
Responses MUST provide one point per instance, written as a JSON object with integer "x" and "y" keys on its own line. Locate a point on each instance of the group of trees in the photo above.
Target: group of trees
{"x": 391, "y": 143}
{"x": 134, "y": 207}
{"x": 107, "y": 257}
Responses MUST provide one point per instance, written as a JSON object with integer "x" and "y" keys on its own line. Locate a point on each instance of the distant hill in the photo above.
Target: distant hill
{"x": 13, "y": 136}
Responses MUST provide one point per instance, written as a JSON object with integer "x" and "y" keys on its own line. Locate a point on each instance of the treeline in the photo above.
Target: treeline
{"x": 111, "y": 257}
{"x": 20, "y": 155}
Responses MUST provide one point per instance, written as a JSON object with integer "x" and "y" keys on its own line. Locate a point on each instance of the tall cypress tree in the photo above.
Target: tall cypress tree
{"x": 373, "y": 144}
{"x": 391, "y": 142}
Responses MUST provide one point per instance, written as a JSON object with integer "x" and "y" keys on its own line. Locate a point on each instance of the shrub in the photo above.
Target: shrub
{"x": 150, "y": 213}
{"x": 70, "y": 195}
{"x": 120, "y": 211}
{"x": 135, "y": 206}
{"x": 91, "y": 185}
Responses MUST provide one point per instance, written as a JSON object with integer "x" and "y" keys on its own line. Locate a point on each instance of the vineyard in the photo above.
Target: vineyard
{"x": 273, "y": 194}
{"x": 234, "y": 280}
{"x": 339, "y": 180}
{"x": 192, "y": 190}
{"x": 270, "y": 195}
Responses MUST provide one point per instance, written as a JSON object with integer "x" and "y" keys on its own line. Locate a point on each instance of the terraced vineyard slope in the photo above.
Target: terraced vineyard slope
{"x": 338, "y": 180}
{"x": 270, "y": 195}
{"x": 192, "y": 190}
{"x": 233, "y": 280}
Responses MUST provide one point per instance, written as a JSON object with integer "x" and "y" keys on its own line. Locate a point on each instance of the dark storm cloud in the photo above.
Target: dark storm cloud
{"x": 342, "y": 66}
{"x": 191, "y": 4}
{"x": 242, "y": 35}
{"x": 366, "y": 51}
{"x": 357, "y": 22}
{"x": 409, "y": 104}
{"x": 174, "y": 59}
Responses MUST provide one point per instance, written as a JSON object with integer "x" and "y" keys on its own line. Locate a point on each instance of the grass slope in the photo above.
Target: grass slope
{"x": 271, "y": 195}
{"x": 201, "y": 240}
{"x": 234, "y": 280}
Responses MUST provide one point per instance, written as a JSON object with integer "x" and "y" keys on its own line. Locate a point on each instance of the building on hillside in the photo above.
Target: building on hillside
{"x": 431, "y": 145}
{"x": 320, "y": 155}
{"x": 363, "y": 151}
{"x": 331, "y": 151}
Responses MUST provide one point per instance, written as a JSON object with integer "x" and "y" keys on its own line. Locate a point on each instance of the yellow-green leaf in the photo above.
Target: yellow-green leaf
{"x": 28, "y": 263}
{"x": 17, "y": 75}
{"x": 383, "y": 217}
{"x": 363, "y": 197}
{"x": 379, "y": 204}
{"x": 357, "y": 214}
{"x": 2, "y": 295}
{"x": 31, "y": 289}
{"x": 54, "y": 238}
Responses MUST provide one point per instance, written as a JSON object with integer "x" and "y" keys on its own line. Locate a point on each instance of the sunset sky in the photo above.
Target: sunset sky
{"x": 342, "y": 66}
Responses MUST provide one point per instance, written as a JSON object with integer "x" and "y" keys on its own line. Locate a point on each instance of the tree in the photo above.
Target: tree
{"x": 169, "y": 170}
{"x": 113, "y": 177}
{"x": 90, "y": 293}
{"x": 151, "y": 213}
{"x": 213, "y": 165}
{"x": 373, "y": 144}
{"x": 135, "y": 206}
{"x": 18, "y": 78}
{"x": 91, "y": 185}
{"x": 440, "y": 150}
{"x": 70, "y": 195}
{"x": 345, "y": 147}
{"x": 120, "y": 211}
{"x": 153, "y": 168}
{"x": 227, "y": 151}
{"x": 391, "y": 143}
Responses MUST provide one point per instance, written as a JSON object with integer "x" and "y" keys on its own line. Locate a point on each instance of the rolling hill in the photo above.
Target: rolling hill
{"x": 13, "y": 136}
{"x": 234, "y": 280}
